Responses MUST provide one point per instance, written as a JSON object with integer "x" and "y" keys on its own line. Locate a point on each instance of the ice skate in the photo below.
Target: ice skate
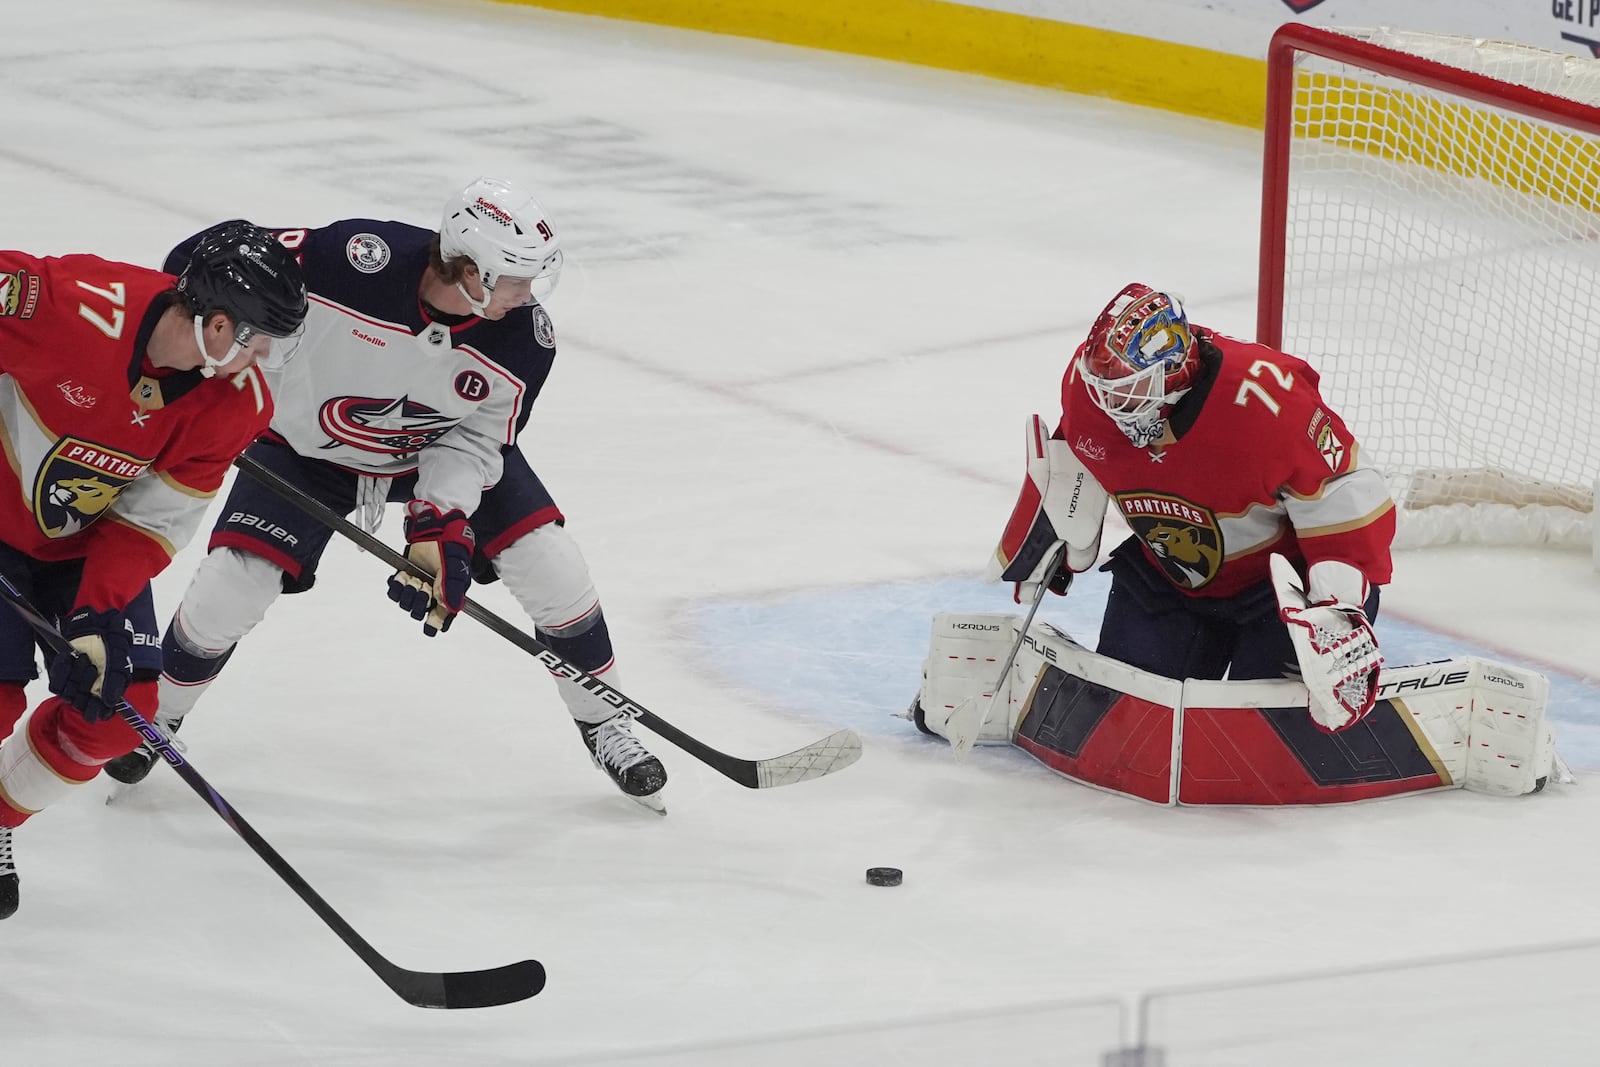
{"x": 627, "y": 762}
{"x": 8, "y": 875}
{"x": 132, "y": 769}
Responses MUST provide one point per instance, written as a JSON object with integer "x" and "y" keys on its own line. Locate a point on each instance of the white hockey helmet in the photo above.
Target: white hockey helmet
{"x": 503, "y": 230}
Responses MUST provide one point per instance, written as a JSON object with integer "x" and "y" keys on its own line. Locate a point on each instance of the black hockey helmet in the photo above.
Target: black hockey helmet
{"x": 240, "y": 268}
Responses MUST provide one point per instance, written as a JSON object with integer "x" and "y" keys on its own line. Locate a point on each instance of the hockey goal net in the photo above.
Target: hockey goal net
{"x": 1431, "y": 244}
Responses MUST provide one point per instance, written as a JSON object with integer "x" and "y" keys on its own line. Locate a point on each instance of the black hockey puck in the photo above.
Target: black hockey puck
{"x": 884, "y": 875}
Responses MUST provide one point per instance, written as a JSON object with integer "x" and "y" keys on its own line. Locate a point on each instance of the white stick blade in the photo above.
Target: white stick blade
{"x": 833, "y": 753}
{"x": 964, "y": 725}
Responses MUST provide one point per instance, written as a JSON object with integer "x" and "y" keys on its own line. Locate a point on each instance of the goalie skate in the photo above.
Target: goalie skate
{"x": 625, "y": 761}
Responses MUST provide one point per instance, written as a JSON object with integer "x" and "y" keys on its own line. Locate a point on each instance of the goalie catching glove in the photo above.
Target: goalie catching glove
{"x": 441, "y": 544}
{"x": 1338, "y": 652}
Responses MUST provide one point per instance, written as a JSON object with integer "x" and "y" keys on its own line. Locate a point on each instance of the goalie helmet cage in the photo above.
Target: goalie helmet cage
{"x": 1430, "y": 242}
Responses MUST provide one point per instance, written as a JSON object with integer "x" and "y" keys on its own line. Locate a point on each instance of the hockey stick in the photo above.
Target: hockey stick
{"x": 424, "y": 989}
{"x": 967, "y": 721}
{"x": 832, "y": 753}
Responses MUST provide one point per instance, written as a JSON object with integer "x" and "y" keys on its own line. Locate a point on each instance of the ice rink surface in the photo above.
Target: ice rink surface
{"x": 809, "y": 301}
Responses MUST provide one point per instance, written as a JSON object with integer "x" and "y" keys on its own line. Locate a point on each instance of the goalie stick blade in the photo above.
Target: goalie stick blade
{"x": 466, "y": 989}
{"x": 964, "y": 725}
{"x": 834, "y": 752}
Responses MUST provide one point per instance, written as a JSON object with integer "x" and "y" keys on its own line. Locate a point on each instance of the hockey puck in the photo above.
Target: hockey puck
{"x": 884, "y": 875}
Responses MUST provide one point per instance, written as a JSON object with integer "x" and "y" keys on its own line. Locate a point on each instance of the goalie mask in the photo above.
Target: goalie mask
{"x": 242, "y": 270}
{"x": 503, "y": 231}
{"x": 1140, "y": 358}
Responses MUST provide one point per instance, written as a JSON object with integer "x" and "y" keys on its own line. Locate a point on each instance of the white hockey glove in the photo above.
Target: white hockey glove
{"x": 1334, "y": 642}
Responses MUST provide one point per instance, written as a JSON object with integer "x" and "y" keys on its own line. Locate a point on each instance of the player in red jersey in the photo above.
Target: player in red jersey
{"x": 125, "y": 395}
{"x": 1218, "y": 453}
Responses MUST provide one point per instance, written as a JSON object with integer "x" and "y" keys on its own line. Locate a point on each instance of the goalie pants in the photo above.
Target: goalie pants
{"x": 59, "y": 747}
{"x": 1150, "y": 624}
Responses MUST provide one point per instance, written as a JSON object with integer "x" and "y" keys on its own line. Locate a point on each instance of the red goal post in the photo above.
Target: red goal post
{"x": 1430, "y": 242}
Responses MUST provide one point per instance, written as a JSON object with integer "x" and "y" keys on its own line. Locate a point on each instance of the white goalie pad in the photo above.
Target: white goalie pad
{"x": 1464, "y": 723}
{"x": 1485, "y": 720}
{"x": 965, "y": 654}
{"x": 964, "y": 658}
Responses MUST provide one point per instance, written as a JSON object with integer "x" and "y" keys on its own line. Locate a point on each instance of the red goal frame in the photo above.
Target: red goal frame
{"x": 1294, "y": 38}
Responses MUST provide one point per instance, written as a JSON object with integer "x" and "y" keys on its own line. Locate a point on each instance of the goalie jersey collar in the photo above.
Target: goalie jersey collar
{"x": 1188, "y": 408}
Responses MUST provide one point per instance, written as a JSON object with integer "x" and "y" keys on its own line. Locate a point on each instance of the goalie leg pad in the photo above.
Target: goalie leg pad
{"x": 1485, "y": 721}
{"x": 1511, "y": 745}
{"x": 965, "y": 655}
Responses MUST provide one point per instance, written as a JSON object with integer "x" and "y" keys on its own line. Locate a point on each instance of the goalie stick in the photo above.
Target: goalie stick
{"x": 832, "y": 753}
{"x": 967, "y": 721}
{"x": 424, "y": 989}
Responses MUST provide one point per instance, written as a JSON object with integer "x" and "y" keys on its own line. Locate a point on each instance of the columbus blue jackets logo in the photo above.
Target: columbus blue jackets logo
{"x": 543, "y": 330}
{"x": 1185, "y": 539}
{"x": 78, "y": 482}
{"x": 368, "y": 253}
{"x": 1300, "y": 7}
{"x": 385, "y": 425}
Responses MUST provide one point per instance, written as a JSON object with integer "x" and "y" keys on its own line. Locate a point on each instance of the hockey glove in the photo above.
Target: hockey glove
{"x": 442, "y": 544}
{"x": 95, "y": 675}
{"x": 1337, "y": 650}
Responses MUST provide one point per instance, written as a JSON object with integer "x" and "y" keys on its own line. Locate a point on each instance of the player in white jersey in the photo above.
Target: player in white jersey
{"x": 422, "y": 356}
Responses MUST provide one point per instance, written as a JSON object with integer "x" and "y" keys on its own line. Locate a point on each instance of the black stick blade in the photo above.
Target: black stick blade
{"x": 467, "y": 989}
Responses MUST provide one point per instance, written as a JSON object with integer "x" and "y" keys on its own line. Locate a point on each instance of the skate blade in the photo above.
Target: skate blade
{"x": 119, "y": 790}
{"x": 653, "y": 802}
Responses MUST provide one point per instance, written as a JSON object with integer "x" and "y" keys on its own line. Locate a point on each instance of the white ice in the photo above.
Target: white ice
{"x": 810, "y": 300}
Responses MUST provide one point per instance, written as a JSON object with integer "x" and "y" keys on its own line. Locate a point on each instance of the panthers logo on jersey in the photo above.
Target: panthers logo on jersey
{"x": 1185, "y": 539}
{"x": 19, "y": 294}
{"x": 389, "y": 426}
{"x": 78, "y": 482}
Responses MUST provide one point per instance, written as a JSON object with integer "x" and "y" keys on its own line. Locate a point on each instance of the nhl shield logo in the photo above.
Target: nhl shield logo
{"x": 78, "y": 482}
{"x": 1185, "y": 539}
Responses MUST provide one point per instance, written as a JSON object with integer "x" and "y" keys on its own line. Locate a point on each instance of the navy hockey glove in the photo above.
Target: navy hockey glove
{"x": 442, "y": 544}
{"x": 96, "y": 675}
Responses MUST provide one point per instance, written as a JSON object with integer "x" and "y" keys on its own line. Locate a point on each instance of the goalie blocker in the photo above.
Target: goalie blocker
{"x": 1463, "y": 723}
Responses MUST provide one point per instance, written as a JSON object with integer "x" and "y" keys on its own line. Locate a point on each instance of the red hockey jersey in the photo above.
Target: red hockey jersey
{"x": 107, "y": 458}
{"x": 1265, "y": 467}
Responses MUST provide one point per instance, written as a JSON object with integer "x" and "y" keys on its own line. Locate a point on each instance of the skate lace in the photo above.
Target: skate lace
{"x": 7, "y": 864}
{"x": 615, "y": 746}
